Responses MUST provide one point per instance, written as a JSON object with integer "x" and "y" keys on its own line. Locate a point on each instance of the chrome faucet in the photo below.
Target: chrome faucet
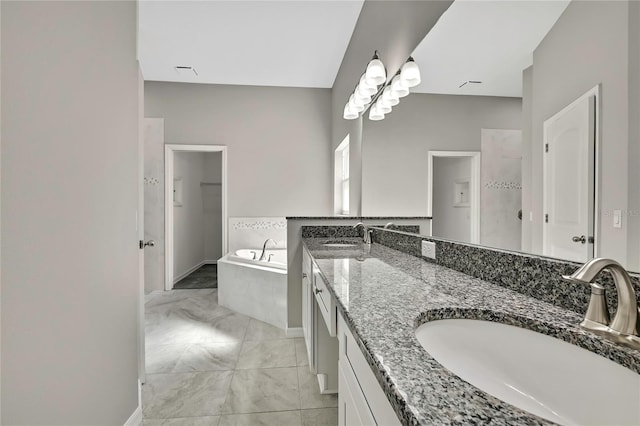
{"x": 624, "y": 327}
{"x": 366, "y": 238}
{"x": 389, "y": 225}
{"x": 264, "y": 249}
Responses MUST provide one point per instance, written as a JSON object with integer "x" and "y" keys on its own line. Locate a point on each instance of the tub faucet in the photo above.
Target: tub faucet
{"x": 366, "y": 237}
{"x": 624, "y": 328}
{"x": 389, "y": 225}
{"x": 264, "y": 249}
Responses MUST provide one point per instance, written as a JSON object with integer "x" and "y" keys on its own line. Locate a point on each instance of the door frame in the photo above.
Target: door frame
{"x": 595, "y": 92}
{"x": 474, "y": 186}
{"x": 169, "y": 151}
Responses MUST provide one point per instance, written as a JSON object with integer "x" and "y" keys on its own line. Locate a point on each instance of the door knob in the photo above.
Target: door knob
{"x": 149, "y": 243}
{"x": 581, "y": 239}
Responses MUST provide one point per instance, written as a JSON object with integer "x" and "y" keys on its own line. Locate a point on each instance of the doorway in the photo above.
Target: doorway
{"x": 453, "y": 195}
{"x": 195, "y": 211}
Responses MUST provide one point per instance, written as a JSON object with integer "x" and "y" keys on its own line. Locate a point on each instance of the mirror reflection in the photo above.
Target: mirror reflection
{"x": 520, "y": 135}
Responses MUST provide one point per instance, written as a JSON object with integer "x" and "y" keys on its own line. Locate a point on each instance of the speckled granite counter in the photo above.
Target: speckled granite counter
{"x": 384, "y": 295}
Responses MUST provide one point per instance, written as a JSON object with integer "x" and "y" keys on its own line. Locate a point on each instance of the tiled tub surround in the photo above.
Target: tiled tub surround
{"x": 384, "y": 295}
{"x": 535, "y": 276}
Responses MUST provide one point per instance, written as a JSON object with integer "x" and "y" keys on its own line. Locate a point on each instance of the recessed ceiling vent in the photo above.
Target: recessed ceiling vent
{"x": 185, "y": 71}
{"x": 469, "y": 82}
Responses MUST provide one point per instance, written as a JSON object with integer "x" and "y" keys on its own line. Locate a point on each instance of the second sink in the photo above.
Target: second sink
{"x": 545, "y": 376}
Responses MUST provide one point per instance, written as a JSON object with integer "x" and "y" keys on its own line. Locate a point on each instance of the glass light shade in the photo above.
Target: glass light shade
{"x": 399, "y": 89}
{"x": 349, "y": 114}
{"x": 389, "y": 97}
{"x": 364, "y": 96}
{"x": 375, "y": 74}
{"x": 355, "y": 104}
{"x": 410, "y": 74}
{"x": 385, "y": 109}
{"x": 367, "y": 87}
{"x": 384, "y": 102}
{"x": 356, "y": 100}
{"x": 375, "y": 114}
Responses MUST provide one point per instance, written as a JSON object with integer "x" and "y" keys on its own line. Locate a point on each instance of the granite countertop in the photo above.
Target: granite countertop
{"x": 359, "y": 217}
{"x": 384, "y": 295}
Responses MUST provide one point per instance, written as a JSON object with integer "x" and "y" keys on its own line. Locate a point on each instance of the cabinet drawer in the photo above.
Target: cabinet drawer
{"x": 326, "y": 303}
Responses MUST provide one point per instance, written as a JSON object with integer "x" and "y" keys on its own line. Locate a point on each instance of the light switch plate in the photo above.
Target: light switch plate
{"x": 617, "y": 218}
{"x": 429, "y": 249}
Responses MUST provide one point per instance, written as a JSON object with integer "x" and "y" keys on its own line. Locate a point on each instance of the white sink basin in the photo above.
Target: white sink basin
{"x": 339, "y": 245}
{"x": 534, "y": 372}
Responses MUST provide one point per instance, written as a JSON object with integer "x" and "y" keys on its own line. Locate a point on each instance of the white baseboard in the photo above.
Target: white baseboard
{"x": 136, "y": 418}
{"x": 189, "y": 271}
{"x": 294, "y": 332}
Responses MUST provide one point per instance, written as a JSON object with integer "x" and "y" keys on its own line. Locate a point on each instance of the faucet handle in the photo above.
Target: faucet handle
{"x": 597, "y": 313}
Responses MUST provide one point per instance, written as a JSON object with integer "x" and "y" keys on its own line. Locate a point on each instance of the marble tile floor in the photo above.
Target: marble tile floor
{"x": 209, "y": 366}
{"x": 204, "y": 277}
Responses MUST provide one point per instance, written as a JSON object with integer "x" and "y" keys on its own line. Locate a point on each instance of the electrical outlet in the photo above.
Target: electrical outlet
{"x": 429, "y": 249}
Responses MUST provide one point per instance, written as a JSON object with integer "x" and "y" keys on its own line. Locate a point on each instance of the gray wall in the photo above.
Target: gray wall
{"x": 188, "y": 219}
{"x": 278, "y": 162}
{"x": 394, "y": 175}
{"x": 69, "y": 200}
{"x": 589, "y": 45}
{"x": 212, "y": 205}
{"x": 394, "y": 28}
{"x": 450, "y": 222}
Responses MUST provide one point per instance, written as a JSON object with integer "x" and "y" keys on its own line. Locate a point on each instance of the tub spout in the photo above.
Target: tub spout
{"x": 264, "y": 249}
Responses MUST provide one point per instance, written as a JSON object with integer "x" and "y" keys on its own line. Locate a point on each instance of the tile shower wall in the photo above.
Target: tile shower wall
{"x": 534, "y": 276}
{"x": 252, "y": 232}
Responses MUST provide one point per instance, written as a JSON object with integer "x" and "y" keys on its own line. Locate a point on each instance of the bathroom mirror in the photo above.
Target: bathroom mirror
{"x": 547, "y": 94}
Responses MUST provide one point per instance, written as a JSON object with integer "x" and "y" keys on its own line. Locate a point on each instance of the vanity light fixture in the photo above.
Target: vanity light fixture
{"x": 367, "y": 89}
{"x": 350, "y": 114}
{"x": 356, "y": 104}
{"x": 375, "y": 93}
{"x": 375, "y": 114}
{"x": 376, "y": 74}
{"x": 410, "y": 73}
{"x": 389, "y": 97}
{"x": 398, "y": 88}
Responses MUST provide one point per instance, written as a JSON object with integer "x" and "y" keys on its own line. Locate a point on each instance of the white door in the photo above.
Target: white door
{"x": 569, "y": 181}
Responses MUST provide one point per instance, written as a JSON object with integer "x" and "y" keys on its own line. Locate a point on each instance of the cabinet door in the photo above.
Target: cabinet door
{"x": 308, "y": 307}
{"x": 352, "y": 407}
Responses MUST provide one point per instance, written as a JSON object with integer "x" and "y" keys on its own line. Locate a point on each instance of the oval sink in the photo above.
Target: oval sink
{"x": 545, "y": 376}
{"x": 339, "y": 244}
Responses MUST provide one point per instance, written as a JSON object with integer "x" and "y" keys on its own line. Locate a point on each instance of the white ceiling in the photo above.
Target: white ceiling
{"x": 290, "y": 43}
{"x": 488, "y": 41}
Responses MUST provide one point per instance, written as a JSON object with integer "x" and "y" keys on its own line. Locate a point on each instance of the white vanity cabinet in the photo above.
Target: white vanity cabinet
{"x": 317, "y": 306}
{"x": 361, "y": 400}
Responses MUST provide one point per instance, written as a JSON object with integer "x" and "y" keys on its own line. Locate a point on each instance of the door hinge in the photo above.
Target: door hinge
{"x": 546, "y": 147}
{"x": 546, "y": 218}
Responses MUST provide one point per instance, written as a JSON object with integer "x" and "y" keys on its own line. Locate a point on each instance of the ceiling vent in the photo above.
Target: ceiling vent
{"x": 469, "y": 82}
{"x": 184, "y": 71}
